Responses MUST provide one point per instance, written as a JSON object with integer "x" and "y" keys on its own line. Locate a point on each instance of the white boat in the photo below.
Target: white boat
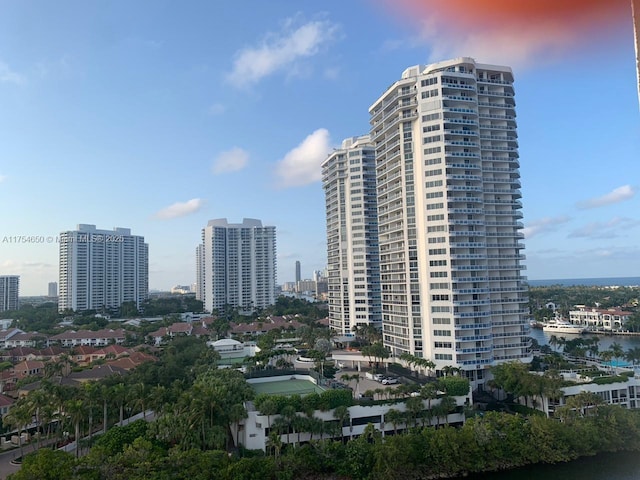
{"x": 563, "y": 327}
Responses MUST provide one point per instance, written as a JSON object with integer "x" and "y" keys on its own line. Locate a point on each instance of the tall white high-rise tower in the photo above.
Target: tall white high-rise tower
{"x": 449, "y": 215}
{"x": 101, "y": 269}
{"x": 238, "y": 265}
{"x": 348, "y": 177}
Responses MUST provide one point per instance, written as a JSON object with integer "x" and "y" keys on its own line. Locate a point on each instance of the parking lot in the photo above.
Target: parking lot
{"x": 364, "y": 384}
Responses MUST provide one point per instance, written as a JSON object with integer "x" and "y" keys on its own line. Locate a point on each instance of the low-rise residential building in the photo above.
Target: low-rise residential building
{"x": 599, "y": 318}
{"x": 28, "y": 368}
{"x": 230, "y": 349}
{"x": 253, "y": 431}
{"x": 99, "y": 338}
{"x": 25, "y": 339}
{"x": 5, "y": 404}
{"x": 625, "y": 392}
{"x": 7, "y": 334}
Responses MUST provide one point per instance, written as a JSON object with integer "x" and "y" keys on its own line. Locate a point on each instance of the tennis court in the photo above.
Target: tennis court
{"x": 287, "y": 387}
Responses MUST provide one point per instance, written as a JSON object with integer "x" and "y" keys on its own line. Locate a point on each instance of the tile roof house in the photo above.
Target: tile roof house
{"x": 7, "y": 334}
{"x": 179, "y": 328}
{"x": 99, "y": 338}
{"x": 28, "y": 368}
{"x": 5, "y": 404}
{"x": 24, "y": 339}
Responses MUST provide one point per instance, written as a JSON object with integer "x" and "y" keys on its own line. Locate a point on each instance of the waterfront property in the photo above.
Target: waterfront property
{"x": 622, "y": 390}
{"x": 599, "y": 319}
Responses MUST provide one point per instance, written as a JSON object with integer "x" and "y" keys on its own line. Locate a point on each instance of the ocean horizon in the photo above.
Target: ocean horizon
{"x": 588, "y": 282}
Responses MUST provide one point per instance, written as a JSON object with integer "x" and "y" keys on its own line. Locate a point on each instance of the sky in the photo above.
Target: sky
{"x": 159, "y": 115}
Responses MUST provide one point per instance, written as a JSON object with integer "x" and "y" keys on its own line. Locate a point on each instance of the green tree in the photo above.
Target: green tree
{"x": 46, "y": 464}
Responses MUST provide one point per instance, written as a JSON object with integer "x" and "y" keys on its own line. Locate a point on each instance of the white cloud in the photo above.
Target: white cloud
{"x": 301, "y": 165}
{"x": 280, "y": 50}
{"x": 180, "y": 209}
{"x": 230, "y": 161}
{"x": 610, "y": 229}
{"x": 10, "y": 76}
{"x": 543, "y": 225}
{"x": 217, "y": 109}
{"x": 617, "y": 195}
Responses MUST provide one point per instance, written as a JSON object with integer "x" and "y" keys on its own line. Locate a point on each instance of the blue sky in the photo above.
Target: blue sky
{"x": 159, "y": 116}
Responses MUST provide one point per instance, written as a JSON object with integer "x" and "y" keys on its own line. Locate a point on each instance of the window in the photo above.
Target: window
{"x": 440, "y": 309}
{"x": 442, "y": 344}
{"x": 437, "y": 240}
{"x": 443, "y": 356}
{"x": 437, "y": 251}
{"x": 432, "y": 161}
{"x": 442, "y": 333}
{"x": 431, "y": 128}
{"x": 435, "y": 218}
{"x": 429, "y": 151}
{"x": 436, "y": 228}
{"x": 441, "y": 321}
{"x": 433, "y": 184}
{"x": 437, "y": 263}
{"x": 434, "y": 138}
{"x": 429, "y": 81}
{"x": 439, "y": 298}
{"x": 438, "y": 274}
{"x": 435, "y": 206}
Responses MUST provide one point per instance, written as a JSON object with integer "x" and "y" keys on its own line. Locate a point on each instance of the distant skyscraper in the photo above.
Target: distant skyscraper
{"x": 199, "y": 288}
{"x": 348, "y": 177}
{"x": 102, "y": 269}
{"x": 298, "y": 271}
{"x": 9, "y": 291}
{"x": 53, "y": 289}
{"x": 449, "y": 215}
{"x": 238, "y": 265}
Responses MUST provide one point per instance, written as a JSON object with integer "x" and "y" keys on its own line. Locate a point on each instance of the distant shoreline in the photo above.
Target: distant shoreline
{"x": 588, "y": 282}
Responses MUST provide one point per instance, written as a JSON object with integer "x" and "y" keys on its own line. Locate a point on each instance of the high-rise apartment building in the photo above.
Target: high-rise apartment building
{"x": 298, "y": 271}
{"x": 9, "y": 291}
{"x": 199, "y": 273}
{"x": 238, "y": 265}
{"x": 349, "y": 181}
{"x": 449, "y": 213}
{"x": 52, "y": 290}
{"x": 101, "y": 269}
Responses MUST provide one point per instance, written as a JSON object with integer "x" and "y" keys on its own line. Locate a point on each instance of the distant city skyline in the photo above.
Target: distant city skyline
{"x": 163, "y": 118}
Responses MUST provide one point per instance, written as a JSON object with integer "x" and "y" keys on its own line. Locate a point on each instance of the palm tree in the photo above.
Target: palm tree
{"x": 268, "y": 408}
{"x": 414, "y": 408}
{"x": 444, "y": 408}
{"x": 341, "y": 413}
{"x": 92, "y": 395}
{"x": 429, "y": 392}
{"x": 289, "y": 415}
{"x": 76, "y": 411}
{"x": 119, "y": 394}
{"x": 356, "y": 377}
{"x": 633, "y": 355}
{"x": 18, "y": 417}
{"x": 394, "y": 417}
{"x": 616, "y": 351}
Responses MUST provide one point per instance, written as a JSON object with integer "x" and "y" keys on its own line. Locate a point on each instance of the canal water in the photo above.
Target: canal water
{"x": 611, "y": 466}
{"x": 606, "y": 341}
{"x": 618, "y": 466}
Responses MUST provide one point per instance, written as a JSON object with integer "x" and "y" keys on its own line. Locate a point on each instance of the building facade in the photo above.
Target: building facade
{"x": 52, "y": 289}
{"x": 101, "y": 269}
{"x": 238, "y": 265}
{"x": 9, "y": 292}
{"x": 449, "y": 211}
{"x": 349, "y": 182}
{"x": 298, "y": 271}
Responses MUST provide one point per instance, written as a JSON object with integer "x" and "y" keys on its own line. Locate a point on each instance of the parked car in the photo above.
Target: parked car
{"x": 389, "y": 381}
